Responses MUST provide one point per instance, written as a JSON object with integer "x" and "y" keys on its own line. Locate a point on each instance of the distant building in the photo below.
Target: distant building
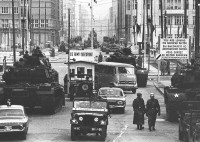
{"x": 174, "y": 19}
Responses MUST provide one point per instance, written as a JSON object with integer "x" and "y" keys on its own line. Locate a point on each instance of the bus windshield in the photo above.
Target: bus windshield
{"x": 126, "y": 70}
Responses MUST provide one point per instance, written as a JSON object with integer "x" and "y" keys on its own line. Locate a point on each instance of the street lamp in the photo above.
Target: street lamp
{"x": 13, "y": 22}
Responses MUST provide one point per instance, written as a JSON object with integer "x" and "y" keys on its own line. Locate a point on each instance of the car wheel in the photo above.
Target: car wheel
{"x": 73, "y": 134}
{"x": 104, "y": 133}
{"x": 133, "y": 91}
{"x": 23, "y": 135}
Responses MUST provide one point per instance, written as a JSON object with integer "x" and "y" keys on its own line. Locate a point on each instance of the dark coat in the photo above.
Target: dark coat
{"x": 139, "y": 110}
{"x": 152, "y": 107}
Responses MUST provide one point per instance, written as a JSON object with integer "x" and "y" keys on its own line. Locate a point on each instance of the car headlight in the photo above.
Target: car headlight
{"x": 120, "y": 102}
{"x": 80, "y": 118}
{"x": 96, "y": 119}
{"x": 102, "y": 122}
{"x": 74, "y": 121}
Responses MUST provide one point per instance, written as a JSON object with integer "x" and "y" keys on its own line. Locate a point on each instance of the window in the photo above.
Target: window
{"x": 169, "y": 20}
{"x": 4, "y": 10}
{"x": 176, "y": 4}
{"x": 23, "y": 11}
{"x": 178, "y": 20}
{"x": 129, "y": 5}
{"x": 194, "y": 4}
{"x": 187, "y": 4}
{"x": 47, "y": 23}
{"x": 80, "y": 72}
{"x": 72, "y": 72}
{"x": 179, "y": 4}
{"x": 36, "y": 23}
{"x": 193, "y": 20}
{"x": 42, "y": 23}
{"x": 89, "y": 72}
{"x": 148, "y": 4}
{"x": 5, "y": 23}
{"x": 16, "y": 11}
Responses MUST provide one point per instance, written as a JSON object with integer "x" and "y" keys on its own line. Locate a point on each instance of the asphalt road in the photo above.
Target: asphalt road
{"x": 56, "y": 128}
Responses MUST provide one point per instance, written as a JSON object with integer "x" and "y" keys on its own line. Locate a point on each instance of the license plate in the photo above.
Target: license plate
{"x": 8, "y": 128}
{"x": 111, "y": 106}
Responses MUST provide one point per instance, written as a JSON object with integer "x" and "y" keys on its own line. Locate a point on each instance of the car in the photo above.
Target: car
{"x": 89, "y": 116}
{"x": 114, "y": 96}
{"x": 13, "y": 120}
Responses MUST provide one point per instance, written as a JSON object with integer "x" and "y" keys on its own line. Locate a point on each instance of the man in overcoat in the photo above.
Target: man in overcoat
{"x": 152, "y": 109}
{"x": 139, "y": 110}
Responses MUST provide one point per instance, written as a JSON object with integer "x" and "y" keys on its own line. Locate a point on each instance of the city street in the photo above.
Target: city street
{"x": 56, "y": 128}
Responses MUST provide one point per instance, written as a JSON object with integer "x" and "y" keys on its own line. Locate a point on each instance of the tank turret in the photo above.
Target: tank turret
{"x": 187, "y": 76}
{"x": 31, "y": 69}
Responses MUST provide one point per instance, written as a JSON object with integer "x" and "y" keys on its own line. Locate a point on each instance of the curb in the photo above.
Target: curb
{"x": 158, "y": 89}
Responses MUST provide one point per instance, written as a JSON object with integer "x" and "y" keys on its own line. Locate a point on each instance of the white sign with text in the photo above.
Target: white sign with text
{"x": 177, "y": 48}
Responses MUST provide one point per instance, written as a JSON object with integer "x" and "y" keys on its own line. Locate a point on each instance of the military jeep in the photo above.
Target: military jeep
{"x": 89, "y": 116}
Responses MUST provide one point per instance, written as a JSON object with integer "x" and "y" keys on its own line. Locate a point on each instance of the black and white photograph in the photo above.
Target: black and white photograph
{"x": 100, "y": 70}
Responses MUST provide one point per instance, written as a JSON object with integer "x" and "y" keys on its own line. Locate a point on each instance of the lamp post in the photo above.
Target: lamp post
{"x": 13, "y": 22}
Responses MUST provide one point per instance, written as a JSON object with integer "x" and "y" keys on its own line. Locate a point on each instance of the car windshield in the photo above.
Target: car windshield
{"x": 126, "y": 70}
{"x": 11, "y": 112}
{"x": 110, "y": 92}
{"x": 88, "y": 104}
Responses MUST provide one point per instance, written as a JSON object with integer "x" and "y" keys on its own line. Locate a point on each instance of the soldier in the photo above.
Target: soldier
{"x": 100, "y": 59}
{"x": 139, "y": 110}
{"x": 152, "y": 108}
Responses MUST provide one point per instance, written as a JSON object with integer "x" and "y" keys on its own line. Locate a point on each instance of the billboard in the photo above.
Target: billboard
{"x": 174, "y": 48}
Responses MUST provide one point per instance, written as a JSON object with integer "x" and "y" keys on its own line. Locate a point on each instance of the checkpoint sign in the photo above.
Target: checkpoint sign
{"x": 174, "y": 48}
{"x": 158, "y": 57}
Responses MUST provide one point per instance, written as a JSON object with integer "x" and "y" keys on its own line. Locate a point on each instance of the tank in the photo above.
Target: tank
{"x": 124, "y": 56}
{"x": 185, "y": 86}
{"x": 32, "y": 82}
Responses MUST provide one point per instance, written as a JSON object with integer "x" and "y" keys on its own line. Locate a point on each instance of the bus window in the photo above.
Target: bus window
{"x": 72, "y": 72}
{"x": 89, "y": 72}
{"x": 109, "y": 70}
{"x": 80, "y": 72}
{"x": 126, "y": 70}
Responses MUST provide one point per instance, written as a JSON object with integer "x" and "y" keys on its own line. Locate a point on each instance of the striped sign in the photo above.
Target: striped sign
{"x": 158, "y": 56}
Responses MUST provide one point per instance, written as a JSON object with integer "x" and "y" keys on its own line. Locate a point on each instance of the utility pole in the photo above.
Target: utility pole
{"x": 143, "y": 34}
{"x": 131, "y": 29}
{"x": 108, "y": 28}
{"x": 31, "y": 24}
{"x": 45, "y": 19}
{"x": 13, "y": 22}
{"x": 165, "y": 23}
{"x": 197, "y": 28}
{"x": 185, "y": 18}
{"x": 23, "y": 26}
{"x": 68, "y": 75}
{"x": 92, "y": 42}
{"x": 39, "y": 24}
{"x": 161, "y": 16}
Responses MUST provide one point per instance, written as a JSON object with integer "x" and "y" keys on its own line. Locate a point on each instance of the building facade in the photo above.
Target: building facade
{"x": 173, "y": 19}
{"x": 41, "y": 19}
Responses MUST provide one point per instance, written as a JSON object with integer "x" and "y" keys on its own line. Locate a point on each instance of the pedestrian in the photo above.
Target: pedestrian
{"x": 100, "y": 59}
{"x": 168, "y": 67}
{"x": 152, "y": 109}
{"x": 139, "y": 110}
{"x": 162, "y": 67}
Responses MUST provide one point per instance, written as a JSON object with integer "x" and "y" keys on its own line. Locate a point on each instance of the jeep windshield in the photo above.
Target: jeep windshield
{"x": 88, "y": 104}
{"x": 110, "y": 92}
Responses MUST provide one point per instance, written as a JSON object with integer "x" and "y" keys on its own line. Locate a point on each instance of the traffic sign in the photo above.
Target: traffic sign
{"x": 158, "y": 56}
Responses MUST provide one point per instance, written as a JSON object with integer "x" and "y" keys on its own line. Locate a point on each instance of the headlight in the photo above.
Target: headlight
{"x": 176, "y": 95}
{"x": 102, "y": 122}
{"x": 80, "y": 118}
{"x": 74, "y": 121}
{"x": 96, "y": 119}
{"x": 120, "y": 102}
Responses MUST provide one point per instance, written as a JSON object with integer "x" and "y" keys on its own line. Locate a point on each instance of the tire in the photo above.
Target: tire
{"x": 104, "y": 133}
{"x": 23, "y": 135}
{"x": 186, "y": 137}
{"x": 180, "y": 134}
{"x": 73, "y": 133}
{"x": 133, "y": 91}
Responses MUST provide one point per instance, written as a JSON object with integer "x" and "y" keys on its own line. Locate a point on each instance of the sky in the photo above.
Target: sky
{"x": 100, "y": 9}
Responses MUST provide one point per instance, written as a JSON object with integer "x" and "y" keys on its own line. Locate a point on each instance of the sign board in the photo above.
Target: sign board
{"x": 158, "y": 56}
{"x": 174, "y": 48}
{"x": 83, "y": 55}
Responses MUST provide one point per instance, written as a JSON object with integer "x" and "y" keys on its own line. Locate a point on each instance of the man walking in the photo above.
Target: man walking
{"x": 152, "y": 109}
{"x": 139, "y": 110}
